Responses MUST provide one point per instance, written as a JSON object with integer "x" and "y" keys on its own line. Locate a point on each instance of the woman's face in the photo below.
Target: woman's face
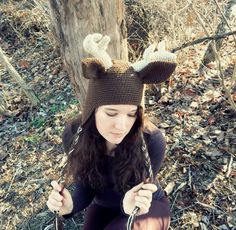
{"x": 114, "y": 122}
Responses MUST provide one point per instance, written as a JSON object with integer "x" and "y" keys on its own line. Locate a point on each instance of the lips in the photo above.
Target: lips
{"x": 117, "y": 134}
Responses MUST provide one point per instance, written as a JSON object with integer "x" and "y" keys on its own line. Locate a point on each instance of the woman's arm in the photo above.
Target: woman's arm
{"x": 82, "y": 197}
{"x": 156, "y": 149}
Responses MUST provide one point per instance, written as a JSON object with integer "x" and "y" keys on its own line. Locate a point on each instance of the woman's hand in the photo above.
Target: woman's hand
{"x": 139, "y": 196}
{"x": 60, "y": 200}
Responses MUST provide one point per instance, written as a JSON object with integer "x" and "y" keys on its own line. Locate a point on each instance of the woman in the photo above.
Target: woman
{"x": 113, "y": 154}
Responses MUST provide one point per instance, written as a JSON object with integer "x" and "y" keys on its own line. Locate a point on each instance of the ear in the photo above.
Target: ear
{"x": 92, "y": 68}
{"x": 157, "y": 72}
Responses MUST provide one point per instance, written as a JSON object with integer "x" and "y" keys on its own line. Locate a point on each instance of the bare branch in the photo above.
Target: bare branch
{"x": 200, "y": 40}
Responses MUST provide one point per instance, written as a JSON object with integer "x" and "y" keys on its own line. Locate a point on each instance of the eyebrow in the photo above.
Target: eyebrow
{"x": 116, "y": 110}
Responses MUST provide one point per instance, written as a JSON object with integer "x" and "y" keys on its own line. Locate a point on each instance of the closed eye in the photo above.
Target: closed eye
{"x": 111, "y": 114}
{"x": 114, "y": 114}
{"x": 132, "y": 115}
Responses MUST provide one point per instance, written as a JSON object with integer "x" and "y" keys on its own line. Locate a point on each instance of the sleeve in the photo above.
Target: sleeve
{"x": 82, "y": 197}
{"x": 156, "y": 148}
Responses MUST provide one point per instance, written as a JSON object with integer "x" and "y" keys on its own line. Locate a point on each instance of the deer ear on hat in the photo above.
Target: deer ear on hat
{"x": 157, "y": 72}
{"x": 92, "y": 68}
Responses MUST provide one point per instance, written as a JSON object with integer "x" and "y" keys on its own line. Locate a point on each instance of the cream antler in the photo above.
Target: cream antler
{"x": 96, "y": 45}
{"x": 150, "y": 55}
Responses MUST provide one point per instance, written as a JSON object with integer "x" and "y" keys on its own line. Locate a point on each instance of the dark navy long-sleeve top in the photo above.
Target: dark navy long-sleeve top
{"x": 84, "y": 195}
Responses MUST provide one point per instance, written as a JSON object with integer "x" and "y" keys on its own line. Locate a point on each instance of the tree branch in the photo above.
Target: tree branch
{"x": 27, "y": 90}
{"x": 200, "y": 40}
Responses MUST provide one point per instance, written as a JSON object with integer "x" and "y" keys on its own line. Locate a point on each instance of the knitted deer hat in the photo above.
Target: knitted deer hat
{"x": 118, "y": 82}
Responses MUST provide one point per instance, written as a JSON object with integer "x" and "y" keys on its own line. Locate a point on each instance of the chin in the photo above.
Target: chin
{"x": 116, "y": 140}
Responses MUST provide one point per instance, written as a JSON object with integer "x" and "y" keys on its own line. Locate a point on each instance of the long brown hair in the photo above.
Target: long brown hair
{"x": 88, "y": 161}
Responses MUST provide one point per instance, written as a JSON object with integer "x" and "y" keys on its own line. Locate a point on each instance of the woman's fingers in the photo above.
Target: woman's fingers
{"x": 55, "y": 196}
{"x": 145, "y": 193}
{"x": 55, "y": 203}
{"x": 137, "y": 187}
{"x": 151, "y": 187}
{"x": 143, "y": 206}
{"x": 142, "y": 199}
{"x": 56, "y": 186}
{"x": 53, "y": 207}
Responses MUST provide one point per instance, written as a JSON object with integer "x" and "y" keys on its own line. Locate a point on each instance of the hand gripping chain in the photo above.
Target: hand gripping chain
{"x": 131, "y": 218}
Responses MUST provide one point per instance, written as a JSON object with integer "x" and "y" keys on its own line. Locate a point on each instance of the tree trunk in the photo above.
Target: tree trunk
{"x": 221, "y": 28}
{"x": 73, "y": 20}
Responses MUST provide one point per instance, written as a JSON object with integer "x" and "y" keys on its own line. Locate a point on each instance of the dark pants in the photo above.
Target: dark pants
{"x": 101, "y": 218}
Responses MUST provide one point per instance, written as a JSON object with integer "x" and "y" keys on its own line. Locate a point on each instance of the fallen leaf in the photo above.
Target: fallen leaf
{"x": 170, "y": 187}
{"x": 24, "y": 64}
{"x": 211, "y": 120}
{"x": 213, "y": 153}
{"x": 194, "y": 104}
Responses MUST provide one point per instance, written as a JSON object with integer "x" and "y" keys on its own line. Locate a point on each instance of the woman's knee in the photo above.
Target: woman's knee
{"x": 158, "y": 217}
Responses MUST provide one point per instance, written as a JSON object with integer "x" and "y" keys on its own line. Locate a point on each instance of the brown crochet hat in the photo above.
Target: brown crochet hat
{"x": 119, "y": 82}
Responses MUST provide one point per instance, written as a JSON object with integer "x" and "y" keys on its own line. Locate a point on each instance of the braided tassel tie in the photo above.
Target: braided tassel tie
{"x": 58, "y": 222}
{"x": 131, "y": 218}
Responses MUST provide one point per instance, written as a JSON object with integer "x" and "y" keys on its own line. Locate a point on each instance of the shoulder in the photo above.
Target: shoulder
{"x": 153, "y": 134}
{"x": 156, "y": 145}
{"x": 69, "y": 132}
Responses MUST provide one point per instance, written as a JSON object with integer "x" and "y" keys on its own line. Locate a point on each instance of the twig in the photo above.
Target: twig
{"x": 13, "y": 178}
{"x": 200, "y": 40}
{"x": 182, "y": 209}
{"x": 12, "y": 71}
{"x": 48, "y": 227}
{"x": 229, "y": 166}
{"x": 76, "y": 224}
{"x": 173, "y": 203}
{"x": 233, "y": 78}
{"x": 209, "y": 206}
{"x": 213, "y": 45}
{"x": 226, "y": 21}
{"x": 189, "y": 177}
{"x": 227, "y": 91}
{"x": 179, "y": 187}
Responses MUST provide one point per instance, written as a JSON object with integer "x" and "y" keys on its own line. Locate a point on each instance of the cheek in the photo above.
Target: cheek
{"x": 101, "y": 122}
{"x": 131, "y": 123}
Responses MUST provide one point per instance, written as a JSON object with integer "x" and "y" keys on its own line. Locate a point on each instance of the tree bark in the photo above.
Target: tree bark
{"x": 73, "y": 20}
{"x": 221, "y": 29}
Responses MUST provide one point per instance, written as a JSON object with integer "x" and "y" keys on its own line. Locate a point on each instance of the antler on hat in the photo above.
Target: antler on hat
{"x": 96, "y": 45}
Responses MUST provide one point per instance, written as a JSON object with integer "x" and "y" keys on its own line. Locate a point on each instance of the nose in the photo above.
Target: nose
{"x": 120, "y": 123}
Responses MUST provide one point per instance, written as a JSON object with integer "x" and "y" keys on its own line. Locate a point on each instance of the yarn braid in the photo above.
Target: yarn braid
{"x": 131, "y": 218}
{"x": 58, "y": 222}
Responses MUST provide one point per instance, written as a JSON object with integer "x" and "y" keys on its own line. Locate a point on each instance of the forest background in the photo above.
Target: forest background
{"x": 195, "y": 110}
